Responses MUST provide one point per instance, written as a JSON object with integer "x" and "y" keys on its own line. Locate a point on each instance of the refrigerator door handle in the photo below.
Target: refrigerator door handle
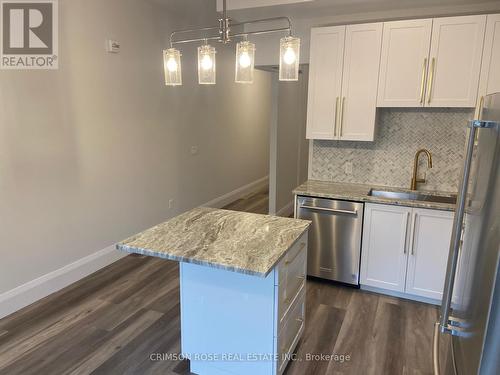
{"x": 435, "y": 349}
{"x": 444, "y": 322}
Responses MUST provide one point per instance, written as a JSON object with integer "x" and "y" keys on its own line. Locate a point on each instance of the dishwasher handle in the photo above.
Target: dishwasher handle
{"x": 333, "y": 210}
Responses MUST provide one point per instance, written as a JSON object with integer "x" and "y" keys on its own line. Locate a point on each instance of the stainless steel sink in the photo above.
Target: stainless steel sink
{"x": 413, "y": 195}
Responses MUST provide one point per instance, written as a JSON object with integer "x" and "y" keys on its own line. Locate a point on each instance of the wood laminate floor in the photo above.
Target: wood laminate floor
{"x": 123, "y": 318}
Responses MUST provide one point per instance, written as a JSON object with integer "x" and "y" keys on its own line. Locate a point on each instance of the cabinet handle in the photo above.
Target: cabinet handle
{"x": 413, "y": 234}
{"x": 431, "y": 79}
{"x": 406, "y": 232}
{"x": 422, "y": 83}
{"x": 336, "y": 117}
{"x": 333, "y": 210}
{"x": 341, "y": 115}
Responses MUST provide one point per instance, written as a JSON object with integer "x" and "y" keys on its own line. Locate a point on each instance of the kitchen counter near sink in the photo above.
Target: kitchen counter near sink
{"x": 361, "y": 193}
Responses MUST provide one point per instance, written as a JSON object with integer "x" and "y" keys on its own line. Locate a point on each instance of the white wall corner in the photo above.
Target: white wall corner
{"x": 34, "y": 290}
{"x": 285, "y": 211}
{"x": 310, "y": 159}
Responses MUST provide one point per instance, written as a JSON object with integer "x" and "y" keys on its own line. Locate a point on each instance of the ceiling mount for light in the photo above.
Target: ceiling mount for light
{"x": 245, "y": 51}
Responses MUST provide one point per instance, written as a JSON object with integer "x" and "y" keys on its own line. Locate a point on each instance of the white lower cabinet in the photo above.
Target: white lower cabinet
{"x": 383, "y": 253}
{"x": 405, "y": 249}
{"x": 428, "y": 253}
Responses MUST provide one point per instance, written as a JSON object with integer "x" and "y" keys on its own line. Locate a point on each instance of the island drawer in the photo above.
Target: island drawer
{"x": 291, "y": 331}
{"x": 291, "y": 260}
{"x": 291, "y": 276}
{"x": 292, "y": 283}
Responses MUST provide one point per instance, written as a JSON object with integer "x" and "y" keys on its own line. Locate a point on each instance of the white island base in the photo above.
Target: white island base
{"x": 234, "y": 323}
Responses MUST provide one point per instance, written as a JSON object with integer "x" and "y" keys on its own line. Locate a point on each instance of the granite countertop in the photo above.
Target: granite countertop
{"x": 236, "y": 241}
{"x": 360, "y": 193}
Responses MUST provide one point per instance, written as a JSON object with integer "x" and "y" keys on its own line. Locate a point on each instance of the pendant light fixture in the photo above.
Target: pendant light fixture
{"x": 206, "y": 65}
{"x": 289, "y": 58}
{"x": 172, "y": 67}
{"x": 245, "y": 51}
{"x": 245, "y": 57}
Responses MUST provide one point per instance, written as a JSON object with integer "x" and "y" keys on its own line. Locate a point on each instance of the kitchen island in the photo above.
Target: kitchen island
{"x": 242, "y": 286}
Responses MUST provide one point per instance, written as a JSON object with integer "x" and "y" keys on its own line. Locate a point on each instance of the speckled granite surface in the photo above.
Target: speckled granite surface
{"x": 360, "y": 193}
{"x": 236, "y": 241}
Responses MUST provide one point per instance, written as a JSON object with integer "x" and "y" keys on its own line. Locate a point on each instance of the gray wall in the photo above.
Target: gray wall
{"x": 389, "y": 159}
{"x": 290, "y": 154}
{"x": 91, "y": 153}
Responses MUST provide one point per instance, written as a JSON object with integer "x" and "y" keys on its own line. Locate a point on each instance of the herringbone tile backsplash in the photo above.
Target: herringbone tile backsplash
{"x": 389, "y": 159}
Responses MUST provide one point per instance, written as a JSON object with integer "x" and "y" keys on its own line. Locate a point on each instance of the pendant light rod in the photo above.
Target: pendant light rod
{"x": 224, "y": 9}
{"x": 226, "y": 36}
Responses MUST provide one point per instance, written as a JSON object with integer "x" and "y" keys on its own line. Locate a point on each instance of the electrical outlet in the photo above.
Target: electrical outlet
{"x": 170, "y": 203}
{"x": 348, "y": 167}
{"x": 194, "y": 150}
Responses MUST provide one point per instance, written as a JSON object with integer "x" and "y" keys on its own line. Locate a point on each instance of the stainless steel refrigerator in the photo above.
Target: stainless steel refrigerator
{"x": 467, "y": 336}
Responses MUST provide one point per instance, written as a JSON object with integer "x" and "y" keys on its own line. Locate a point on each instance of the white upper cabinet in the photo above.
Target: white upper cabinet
{"x": 455, "y": 61}
{"x": 325, "y": 81}
{"x": 404, "y": 62}
{"x": 431, "y": 63}
{"x": 343, "y": 80}
{"x": 414, "y": 63}
{"x": 490, "y": 71}
{"x": 363, "y": 44}
{"x": 428, "y": 255}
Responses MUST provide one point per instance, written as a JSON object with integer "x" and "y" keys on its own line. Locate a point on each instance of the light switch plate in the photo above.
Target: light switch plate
{"x": 112, "y": 46}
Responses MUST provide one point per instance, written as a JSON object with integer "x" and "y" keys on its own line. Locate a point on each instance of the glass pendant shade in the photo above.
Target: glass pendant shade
{"x": 172, "y": 67}
{"x": 206, "y": 65}
{"x": 245, "y": 57}
{"x": 289, "y": 59}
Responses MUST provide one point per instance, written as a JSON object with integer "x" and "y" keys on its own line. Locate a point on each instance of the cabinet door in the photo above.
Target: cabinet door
{"x": 428, "y": 256}
{"x": 404, "y": 62}
{"x": 490, "y": 72}
{"x": 384, "y": 249}
{"x": 455, "y": 61}
{"x": 325, "y": 80}
{"x": 363, "y": 44}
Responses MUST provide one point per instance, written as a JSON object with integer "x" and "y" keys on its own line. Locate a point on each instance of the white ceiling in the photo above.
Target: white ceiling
{"x": 298, "y": 9}
{"x": 313, "y": 13}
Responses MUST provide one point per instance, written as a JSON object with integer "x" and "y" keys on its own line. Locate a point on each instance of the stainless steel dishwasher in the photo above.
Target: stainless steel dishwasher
{"x": 334, "y": 237}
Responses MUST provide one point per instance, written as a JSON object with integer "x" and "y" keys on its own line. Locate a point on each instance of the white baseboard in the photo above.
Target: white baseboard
{"x": 393, "y": 293}
{"x": 34, "y": 290}
{"x": 285, "y": 211}
{"x": 239, "y": 193}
